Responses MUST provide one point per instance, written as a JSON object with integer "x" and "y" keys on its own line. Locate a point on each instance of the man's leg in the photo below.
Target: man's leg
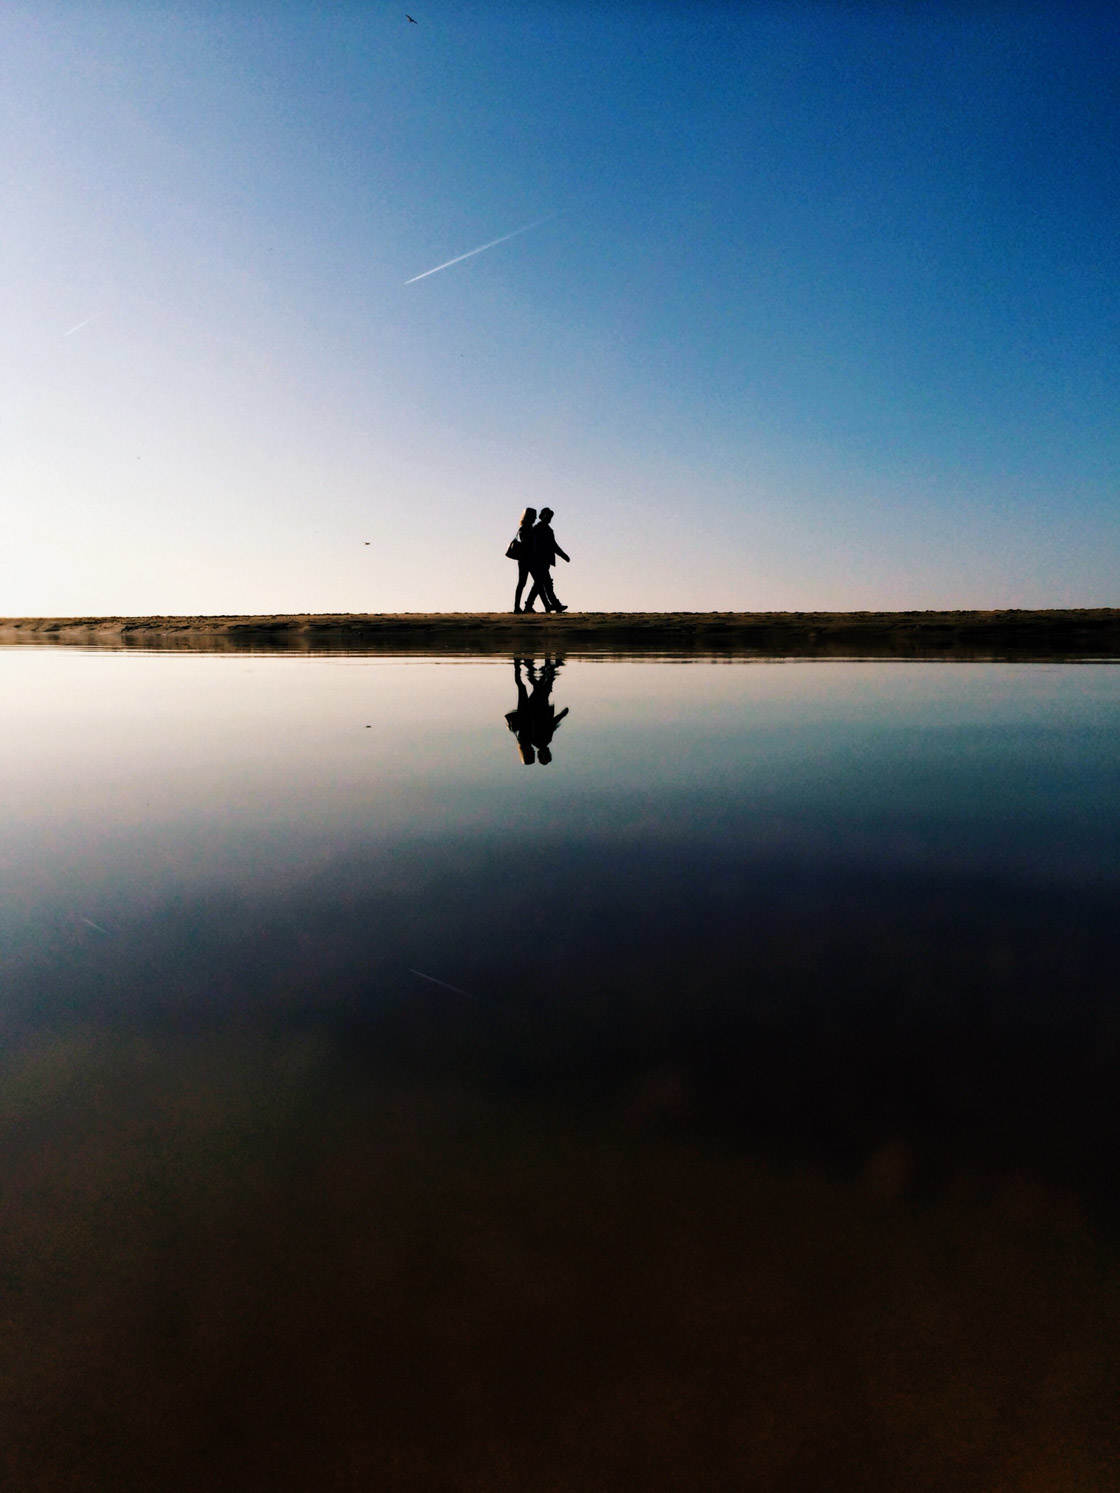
{"x": 552, "y": 600}
{"x": 541, "y": 588}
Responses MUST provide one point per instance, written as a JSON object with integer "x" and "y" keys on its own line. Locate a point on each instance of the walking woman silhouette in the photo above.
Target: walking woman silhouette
{"x": 524, "y": 555}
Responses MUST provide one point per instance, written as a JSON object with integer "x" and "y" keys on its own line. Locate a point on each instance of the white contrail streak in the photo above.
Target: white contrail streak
{"x": 82, "y": 324}
{"x": 480, "y": 250}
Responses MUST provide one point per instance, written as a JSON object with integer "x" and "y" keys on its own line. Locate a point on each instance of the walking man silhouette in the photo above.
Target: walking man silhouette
{"x": 542, "y": 556}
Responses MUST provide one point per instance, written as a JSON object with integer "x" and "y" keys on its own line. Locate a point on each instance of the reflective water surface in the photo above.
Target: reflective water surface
{"x": 851, "y": 921}
{"x": 650, "y": 854}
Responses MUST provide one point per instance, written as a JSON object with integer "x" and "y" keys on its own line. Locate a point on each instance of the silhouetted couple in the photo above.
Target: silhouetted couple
{"x": 536, "y": 555}
{"x": 535, "y": 720}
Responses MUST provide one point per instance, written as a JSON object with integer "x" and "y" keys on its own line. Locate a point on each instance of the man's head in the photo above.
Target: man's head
{"x": 546, "y": 515}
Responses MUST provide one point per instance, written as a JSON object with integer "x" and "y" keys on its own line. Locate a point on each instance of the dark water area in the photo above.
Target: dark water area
{"x": 844, "y": 902}
{"x": 569, "y": 922}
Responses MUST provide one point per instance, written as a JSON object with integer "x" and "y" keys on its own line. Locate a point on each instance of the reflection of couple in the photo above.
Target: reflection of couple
{"x": 536, "y": 555}
{"x": 535, "y": 720}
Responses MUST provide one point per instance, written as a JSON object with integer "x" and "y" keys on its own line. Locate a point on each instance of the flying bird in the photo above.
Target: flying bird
{"x": 413, "y": 19}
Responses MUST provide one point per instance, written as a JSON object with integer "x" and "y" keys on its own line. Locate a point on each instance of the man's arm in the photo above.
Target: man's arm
{"x": 560, "y": 552}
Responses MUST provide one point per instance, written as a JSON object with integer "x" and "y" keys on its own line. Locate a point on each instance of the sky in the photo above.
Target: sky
{"x": 785, "y": 306}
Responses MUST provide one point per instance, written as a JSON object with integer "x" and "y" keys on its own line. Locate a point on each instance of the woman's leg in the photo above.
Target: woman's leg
{"x": 522, "y": 577}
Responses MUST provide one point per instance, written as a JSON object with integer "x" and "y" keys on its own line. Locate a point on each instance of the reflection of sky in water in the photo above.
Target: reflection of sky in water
{"x": 135, "y": 780}
{"x": 204, "y": 765}
{"x": 339, "y": 1045}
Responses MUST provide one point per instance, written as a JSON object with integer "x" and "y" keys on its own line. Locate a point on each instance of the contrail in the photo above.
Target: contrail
{"x": 480, "y": 250}
{"x": 82, "y": 324}
{"x": 442, "y": 983}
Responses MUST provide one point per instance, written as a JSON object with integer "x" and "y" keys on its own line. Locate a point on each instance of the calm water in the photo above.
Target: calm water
{"x": 847, "y": 900}
{"x": 729, "y": 1100}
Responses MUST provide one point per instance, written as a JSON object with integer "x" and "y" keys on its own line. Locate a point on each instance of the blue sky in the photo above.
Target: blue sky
{"x": 824, "y": 312}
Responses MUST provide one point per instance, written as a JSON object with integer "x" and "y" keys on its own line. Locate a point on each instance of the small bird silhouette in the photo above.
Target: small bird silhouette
{"x": 413, "y": 19}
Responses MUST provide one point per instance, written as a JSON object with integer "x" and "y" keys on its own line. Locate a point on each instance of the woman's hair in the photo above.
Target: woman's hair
{"x": 528, "y": 517}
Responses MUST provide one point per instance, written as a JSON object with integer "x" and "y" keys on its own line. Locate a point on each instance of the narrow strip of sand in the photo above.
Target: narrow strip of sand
{"x": 1055, "y": 633}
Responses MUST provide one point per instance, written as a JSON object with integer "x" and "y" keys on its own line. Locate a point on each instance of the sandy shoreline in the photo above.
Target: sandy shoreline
{"x": 1077, "y": 633}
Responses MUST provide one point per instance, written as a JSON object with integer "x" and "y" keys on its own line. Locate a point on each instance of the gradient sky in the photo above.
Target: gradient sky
{"x": 823, "y": 312}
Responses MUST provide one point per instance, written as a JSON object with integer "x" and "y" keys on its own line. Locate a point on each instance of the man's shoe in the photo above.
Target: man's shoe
{"x": 560, "y": 607}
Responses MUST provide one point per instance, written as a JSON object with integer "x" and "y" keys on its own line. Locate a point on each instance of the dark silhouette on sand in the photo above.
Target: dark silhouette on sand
{"x": 542, "y": 556}
{"x": 535, "y": 720}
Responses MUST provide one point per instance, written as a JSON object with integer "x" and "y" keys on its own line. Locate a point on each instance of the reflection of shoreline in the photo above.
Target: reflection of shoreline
{"x": 1037, "y": 635}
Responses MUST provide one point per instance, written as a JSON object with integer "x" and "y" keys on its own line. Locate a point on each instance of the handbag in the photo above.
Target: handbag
{"x": 513, "y": 549}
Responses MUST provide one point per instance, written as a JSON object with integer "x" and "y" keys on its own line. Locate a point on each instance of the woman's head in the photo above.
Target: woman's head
{"x": 528, "y": 517}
